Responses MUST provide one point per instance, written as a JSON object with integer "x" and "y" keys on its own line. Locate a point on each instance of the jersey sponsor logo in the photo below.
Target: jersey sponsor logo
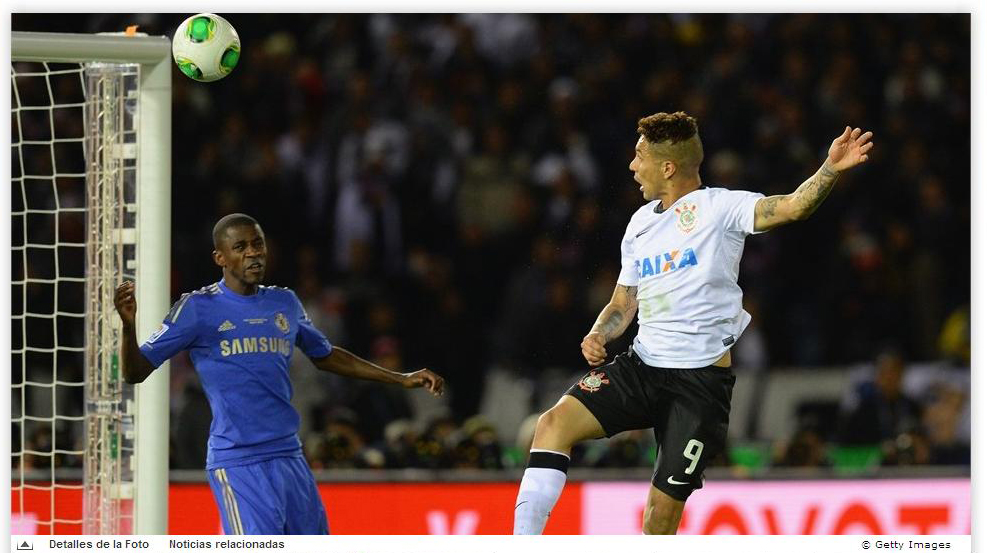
{"x": 227, "y": 325}
{"x": 255, "y": 321}
{"x": 686, "y": 217}
{"x": 665, "y": 263}
{"x": 281, "y": 322}
{"x": 157, "y": 334}
{"x": 593, "y": 381}
{"x": 263, "y": 344}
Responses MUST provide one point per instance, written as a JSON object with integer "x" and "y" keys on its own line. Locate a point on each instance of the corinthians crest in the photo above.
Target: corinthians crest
{"x": 686, "y": 217}
{"x": 282, "y": 322}
{"x": 593, "y": 381}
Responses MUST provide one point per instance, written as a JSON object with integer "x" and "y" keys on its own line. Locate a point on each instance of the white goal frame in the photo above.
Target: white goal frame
{"x": 153, "y": 235}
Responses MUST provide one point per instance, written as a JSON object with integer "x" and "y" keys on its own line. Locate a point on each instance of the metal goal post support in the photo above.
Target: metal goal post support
{"x": 153, "y": 232}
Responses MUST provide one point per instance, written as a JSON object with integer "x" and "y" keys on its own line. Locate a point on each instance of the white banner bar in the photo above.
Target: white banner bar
{"x": 493, "y": 544}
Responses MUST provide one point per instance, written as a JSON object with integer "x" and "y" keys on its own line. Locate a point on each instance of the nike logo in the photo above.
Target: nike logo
{"x": 674, "y": 482}
{"x": 638, "y": 235}
{"x": 519, "y": 504}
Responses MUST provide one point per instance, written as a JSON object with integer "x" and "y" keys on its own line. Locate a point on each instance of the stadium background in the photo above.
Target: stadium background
{"x": 449, "y": 191}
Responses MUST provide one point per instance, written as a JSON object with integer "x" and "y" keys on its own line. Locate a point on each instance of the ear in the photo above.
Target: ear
{"x": 217, "y": 258}
{"x": 668, "y": 169}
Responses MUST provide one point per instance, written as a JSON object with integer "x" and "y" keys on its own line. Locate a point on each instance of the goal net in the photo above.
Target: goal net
{"x": 90, "y": 203}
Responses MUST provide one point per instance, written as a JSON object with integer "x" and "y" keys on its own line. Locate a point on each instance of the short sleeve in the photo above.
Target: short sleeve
{"x": 628, "y": 265}
{"x": 736, "y": 208}
{"x": 177, "y": 332}
{"x": 310, "y": 339}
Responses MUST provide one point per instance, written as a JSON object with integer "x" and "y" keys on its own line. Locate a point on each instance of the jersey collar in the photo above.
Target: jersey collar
{"x": 239, "y": 297}
{"x": 659, "y": 209}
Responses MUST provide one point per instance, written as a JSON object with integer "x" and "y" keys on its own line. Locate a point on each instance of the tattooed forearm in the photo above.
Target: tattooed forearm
{"x": 617, "y": 315}
{"x": 813, "y": 191}
{"x": 609, "y": 324}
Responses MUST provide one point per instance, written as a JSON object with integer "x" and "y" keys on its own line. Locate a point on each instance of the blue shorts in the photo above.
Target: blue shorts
{"x": 275, "y": 496}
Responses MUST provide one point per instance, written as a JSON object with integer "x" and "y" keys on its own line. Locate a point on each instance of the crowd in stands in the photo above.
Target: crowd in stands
{"x": 450, "y": 191}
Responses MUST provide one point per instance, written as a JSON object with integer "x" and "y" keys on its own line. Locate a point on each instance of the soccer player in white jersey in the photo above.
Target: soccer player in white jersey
{"x": 680, "y": 257}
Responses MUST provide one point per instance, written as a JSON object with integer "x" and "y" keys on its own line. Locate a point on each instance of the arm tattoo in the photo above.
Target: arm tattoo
{"x": 813, "y": 191}
{"x": 614, "y": 318}
{"x": 629, "y": 290}
{"x": 768, "y": 206}
{"x": 613, "y": 322}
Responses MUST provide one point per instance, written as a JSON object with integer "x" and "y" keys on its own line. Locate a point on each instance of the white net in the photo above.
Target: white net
{"x": 47, "y": 295}
{"x": 73, "y": 185}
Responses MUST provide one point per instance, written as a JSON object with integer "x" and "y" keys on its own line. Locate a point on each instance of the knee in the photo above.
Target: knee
{"x": 550, "y": 431}
{"x": 549, "y": 421}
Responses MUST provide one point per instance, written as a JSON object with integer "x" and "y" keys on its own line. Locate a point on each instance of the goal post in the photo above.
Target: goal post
{"x": 127, "y": 147}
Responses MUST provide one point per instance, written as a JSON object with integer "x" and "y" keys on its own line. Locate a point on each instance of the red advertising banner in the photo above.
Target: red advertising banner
{"x": 940, "y": 506}
{"x": 838, "y": 507}
{"x": 436, "y": 509}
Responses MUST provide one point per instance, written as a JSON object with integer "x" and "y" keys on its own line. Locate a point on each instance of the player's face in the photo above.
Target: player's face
{"x": 647, "y": 170}
{"x": 243, "y": 254}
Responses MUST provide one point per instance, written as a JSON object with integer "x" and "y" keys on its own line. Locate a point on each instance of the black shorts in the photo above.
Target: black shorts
{"x": 689, "y": 410}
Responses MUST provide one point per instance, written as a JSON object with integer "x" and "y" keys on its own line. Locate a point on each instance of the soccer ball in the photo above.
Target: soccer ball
{"x": 206, "y": 47}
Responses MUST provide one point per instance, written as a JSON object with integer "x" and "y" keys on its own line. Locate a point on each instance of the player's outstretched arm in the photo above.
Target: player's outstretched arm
{"x": 847, "y": 151}
{"x": 135, "y": 367}
{"x": 344, "y": 363}
{"x": 612, "y": 322}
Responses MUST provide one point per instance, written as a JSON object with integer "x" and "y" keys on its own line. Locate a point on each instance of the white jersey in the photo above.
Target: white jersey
{"x": 684, "y": 262}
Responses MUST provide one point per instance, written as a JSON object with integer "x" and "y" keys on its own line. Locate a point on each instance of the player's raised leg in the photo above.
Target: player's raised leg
{"x": 564, "y": 425}
{"x": 663, "y": 513}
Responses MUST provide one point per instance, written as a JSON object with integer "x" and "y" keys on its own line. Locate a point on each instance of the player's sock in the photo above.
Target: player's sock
{"x": 540, "y": 488}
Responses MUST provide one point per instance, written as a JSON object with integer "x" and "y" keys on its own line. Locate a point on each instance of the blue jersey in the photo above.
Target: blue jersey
{"x": 241, "y": 347}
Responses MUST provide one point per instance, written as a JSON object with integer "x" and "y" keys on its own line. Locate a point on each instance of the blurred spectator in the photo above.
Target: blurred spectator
{"x": 432, "y": 448}
{"x": 877, "y": 411}
{"x": 400, "y": 437}
{"x": 479, "y": 447}
{"x": 941, "y": 420}
{"x": 805, "y": 449}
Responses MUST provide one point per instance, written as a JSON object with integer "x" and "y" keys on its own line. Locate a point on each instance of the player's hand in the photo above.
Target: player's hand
{"x": 424, "y": 379}
{"x": 849, "y": 149}
{"x": 125, "y": 302}
{"x": 594, "y": 349}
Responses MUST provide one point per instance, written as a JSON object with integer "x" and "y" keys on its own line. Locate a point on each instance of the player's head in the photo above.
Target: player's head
{"x": 240, "y": 249}
{"x": 667, "y": 155}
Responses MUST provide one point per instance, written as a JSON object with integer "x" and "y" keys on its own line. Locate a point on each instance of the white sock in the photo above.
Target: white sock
{"x": 540, "y": 488}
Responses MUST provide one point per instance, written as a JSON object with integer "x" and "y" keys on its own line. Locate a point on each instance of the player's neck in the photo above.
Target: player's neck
{"x": 685, "y": 187}
{"x": 237, "y": 286}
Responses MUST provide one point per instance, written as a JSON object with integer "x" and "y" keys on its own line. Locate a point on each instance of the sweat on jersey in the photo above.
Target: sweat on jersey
{"x": 241, "y": 347}
{"x": 684, "y": 262}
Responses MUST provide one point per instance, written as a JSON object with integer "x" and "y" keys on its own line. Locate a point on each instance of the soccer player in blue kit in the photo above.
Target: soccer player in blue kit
{"x": 240, "y": 336}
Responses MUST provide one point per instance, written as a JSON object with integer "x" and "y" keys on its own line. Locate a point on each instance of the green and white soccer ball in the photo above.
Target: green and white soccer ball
{"x": 206, "y": 47}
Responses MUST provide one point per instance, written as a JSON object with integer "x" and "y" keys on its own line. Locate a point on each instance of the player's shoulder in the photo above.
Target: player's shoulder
{"x": 717, "y": 192}
{"x": 206, "y": 292}
{"x": 722, "y": 199}
{"x": 279, "y": 292}
{"x": 191, "y": 299}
